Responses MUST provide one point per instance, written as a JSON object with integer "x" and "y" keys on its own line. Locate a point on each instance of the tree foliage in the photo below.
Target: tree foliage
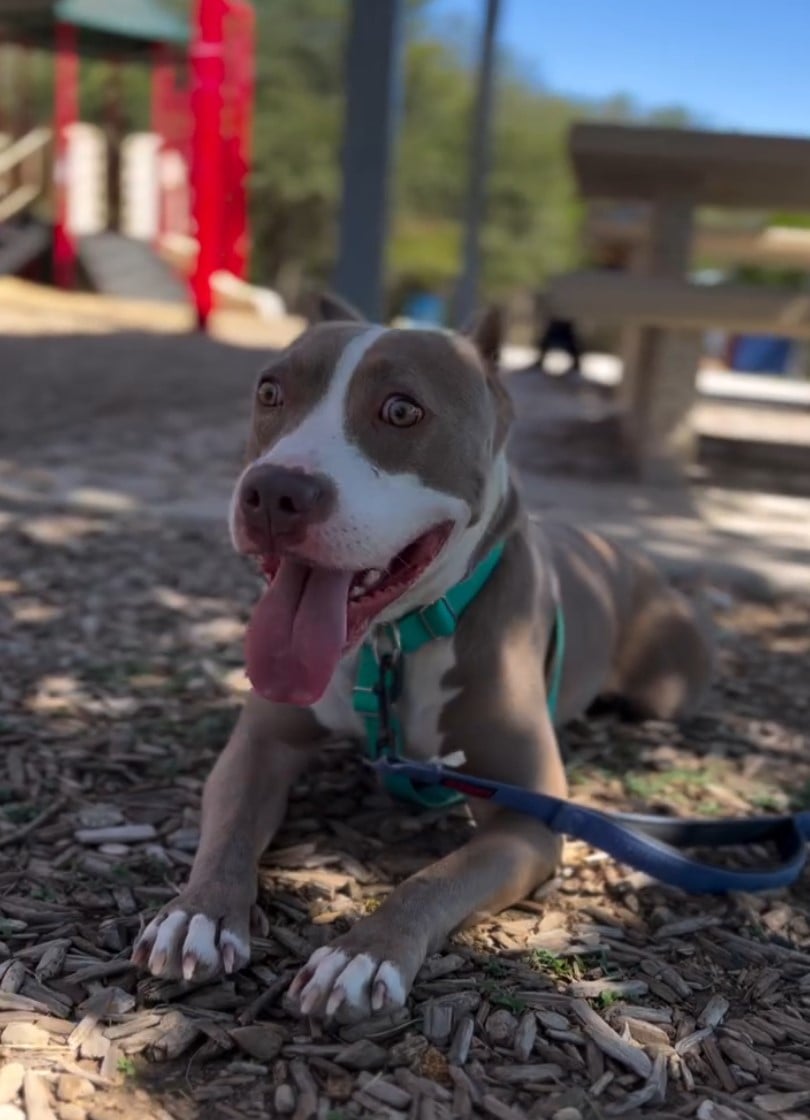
{"x": 533, "y": 214}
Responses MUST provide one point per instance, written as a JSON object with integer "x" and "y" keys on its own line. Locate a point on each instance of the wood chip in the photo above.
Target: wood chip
{"x": 621, "y": 989}
{"x": 24, "y": 1036}
{"x": 262, "y": 1041}
{"x": 37, "y": 1099}
{"x": 11, "y": 1079}
{"x": 526, "y": 1074}
{"x": 363, "y": 1054}
{"x": 71, "y": 1087}
{"x": 284, "y": 1100}
{"x": 176, "y": 1034}
{"x": 438, "y": 1022}
{"x": 714, "y": 1012}
{"x": 501, "y": 1111}
{"x": 782, "y": 1102}
{"x": 117, "y": 834}
{"x": 501, "y": 1027}
{"x": 462, "y": 1039}
{"x": 385, "y": 1091}
{"x": 525, "y": 1036}
{"x": 609, "y": 1042}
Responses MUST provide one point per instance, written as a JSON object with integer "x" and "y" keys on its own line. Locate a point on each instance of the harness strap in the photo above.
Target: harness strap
{"x": 378, "y": 684}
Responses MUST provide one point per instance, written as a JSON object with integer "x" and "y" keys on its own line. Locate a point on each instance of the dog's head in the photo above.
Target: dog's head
{"x": 374, "y": 467}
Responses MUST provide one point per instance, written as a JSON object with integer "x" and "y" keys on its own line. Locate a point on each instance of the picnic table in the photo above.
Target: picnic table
{"x": 672, "y": 172}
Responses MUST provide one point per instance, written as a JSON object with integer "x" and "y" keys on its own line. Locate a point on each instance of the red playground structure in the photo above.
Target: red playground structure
{"x": 201, "y": 116}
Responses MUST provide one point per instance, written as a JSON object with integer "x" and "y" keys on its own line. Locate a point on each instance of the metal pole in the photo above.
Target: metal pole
{"x": 372, "y": 96}
{"x": 466, "y": 295}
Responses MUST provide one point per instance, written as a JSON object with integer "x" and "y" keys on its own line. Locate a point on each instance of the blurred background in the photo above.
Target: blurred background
{"x": 633, "y": 190}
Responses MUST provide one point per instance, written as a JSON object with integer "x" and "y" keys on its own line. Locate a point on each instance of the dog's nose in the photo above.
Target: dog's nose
{"x": 279, "y": 502}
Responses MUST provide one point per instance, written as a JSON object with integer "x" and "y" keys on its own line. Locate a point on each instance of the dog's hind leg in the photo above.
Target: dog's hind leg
{"x": 664, "y": 659}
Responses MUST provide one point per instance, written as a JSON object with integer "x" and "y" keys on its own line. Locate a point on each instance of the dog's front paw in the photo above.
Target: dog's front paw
{"x": 366, "y": 971}
{"x": 195, "y": 937}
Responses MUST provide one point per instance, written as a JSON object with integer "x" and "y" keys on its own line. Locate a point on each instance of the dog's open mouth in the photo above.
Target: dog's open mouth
{"x": 309, "y": 616}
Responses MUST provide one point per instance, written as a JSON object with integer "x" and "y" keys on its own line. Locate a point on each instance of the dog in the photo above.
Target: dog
{"x": 376, "y": 482}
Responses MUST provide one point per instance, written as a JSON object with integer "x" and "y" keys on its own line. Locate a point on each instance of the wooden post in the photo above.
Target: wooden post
{"x": 658, "y": 387}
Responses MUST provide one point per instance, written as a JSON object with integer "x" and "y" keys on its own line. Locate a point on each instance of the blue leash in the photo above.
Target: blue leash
{"x": 654, "y": 845}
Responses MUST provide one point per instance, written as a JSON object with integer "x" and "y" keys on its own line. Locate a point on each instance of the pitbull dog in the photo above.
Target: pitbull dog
{"x": 377, "y": 480}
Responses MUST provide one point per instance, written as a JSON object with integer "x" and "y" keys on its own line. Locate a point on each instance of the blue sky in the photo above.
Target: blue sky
{"x": 737, "y": 64}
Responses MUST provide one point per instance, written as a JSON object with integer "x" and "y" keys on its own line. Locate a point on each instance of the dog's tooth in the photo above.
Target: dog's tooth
{"x": 371, "y": 577}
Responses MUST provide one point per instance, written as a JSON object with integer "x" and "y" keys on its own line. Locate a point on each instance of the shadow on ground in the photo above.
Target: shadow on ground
{"x": 121, "y": 612}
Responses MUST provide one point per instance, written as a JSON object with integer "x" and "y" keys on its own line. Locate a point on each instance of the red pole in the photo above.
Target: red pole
{"x": 66, "y": 112}
{"x": 208, "y": 80}
{"x": 242, "y": 92}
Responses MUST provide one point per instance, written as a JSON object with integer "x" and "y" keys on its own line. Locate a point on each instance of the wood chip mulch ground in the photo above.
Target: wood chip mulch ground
{"x": 604, "y": 996}
{"x": 120, "y": 635}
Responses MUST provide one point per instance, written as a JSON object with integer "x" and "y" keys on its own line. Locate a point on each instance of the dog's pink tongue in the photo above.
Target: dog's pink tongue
{"x": 297, "y": 633}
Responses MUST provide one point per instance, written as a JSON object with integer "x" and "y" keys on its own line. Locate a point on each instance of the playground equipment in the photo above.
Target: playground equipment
{"x": 186, "y": 177}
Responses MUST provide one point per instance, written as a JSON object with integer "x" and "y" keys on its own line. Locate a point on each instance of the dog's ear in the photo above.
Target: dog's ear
{"x": 485, "y": 331}
{"x": 326, "y": 307}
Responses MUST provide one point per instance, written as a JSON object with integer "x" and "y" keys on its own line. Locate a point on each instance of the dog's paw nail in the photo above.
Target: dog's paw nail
{"x": 316, "y": 977}
{"x": 335, "y": 1001}
{"x": 189, "y": 966}
{"x": 309, "y": 1001}
{"x": 157, "y": 961}
{"x": 379, "y": 995}
{"x": 389, "y": 979}
{"x": 228, "y": 958}
{"x": 140, "y": 953}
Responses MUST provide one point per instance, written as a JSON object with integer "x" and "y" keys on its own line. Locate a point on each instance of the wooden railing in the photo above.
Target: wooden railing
{"x": 23, "y": 171}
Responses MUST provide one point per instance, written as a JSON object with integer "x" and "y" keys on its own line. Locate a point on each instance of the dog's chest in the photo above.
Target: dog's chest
{"x": 419, "y": 708}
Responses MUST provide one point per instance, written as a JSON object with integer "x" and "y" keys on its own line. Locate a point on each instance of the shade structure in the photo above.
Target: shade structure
{"x": 105, "y": 27}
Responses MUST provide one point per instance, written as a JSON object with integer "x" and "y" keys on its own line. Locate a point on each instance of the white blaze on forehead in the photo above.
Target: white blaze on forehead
{"x": 321, "y": 433}
{"x": 378, "y": 512}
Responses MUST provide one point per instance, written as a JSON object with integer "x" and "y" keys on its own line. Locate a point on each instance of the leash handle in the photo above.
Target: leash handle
{"x": 650, "y": 844}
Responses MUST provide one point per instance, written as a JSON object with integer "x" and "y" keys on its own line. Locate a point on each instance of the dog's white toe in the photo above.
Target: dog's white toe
{"x": 169, "y": 934}
{"x": 332, "y": 982}
{"x": 200, "y": 953}
{"x": 178, "y": 944}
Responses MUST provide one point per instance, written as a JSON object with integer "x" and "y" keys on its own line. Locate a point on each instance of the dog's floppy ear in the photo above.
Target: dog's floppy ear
{"x": 326, "y": 307}
{"x": 485, "y": 331}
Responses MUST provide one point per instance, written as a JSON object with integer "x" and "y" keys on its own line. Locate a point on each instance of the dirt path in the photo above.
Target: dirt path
{"x": 121, "y": 607}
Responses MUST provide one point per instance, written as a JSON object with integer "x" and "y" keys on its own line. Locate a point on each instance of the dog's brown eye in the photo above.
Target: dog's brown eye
{"x": 269, "y": 394}
{"x": 401, "y": 412}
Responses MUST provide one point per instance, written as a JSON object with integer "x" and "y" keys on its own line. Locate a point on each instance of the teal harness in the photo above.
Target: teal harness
{"x": 380, "y": 675}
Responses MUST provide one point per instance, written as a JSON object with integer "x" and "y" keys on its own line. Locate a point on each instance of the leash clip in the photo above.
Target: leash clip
{"x": 388, "y": 689}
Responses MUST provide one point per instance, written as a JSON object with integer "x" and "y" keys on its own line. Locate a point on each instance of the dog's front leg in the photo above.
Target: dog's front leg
{"x": 206, "y": 928}
{"x": 373, "y": 966}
